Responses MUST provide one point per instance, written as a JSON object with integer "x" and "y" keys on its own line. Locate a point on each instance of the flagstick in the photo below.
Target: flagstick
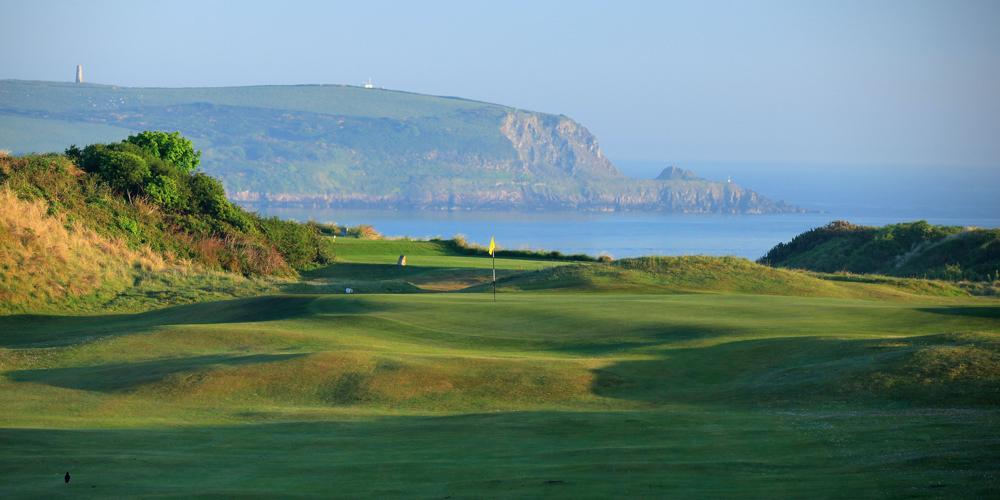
{"x": 494, "y": 276}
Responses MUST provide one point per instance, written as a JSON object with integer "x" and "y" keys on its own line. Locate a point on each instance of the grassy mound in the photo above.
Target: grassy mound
{"x": 726, "y": 274}
{"x": 933, "y": 370}
{"x": 136, "y": 227}
{"x": 330, "y": 379}
{"x": 48, "y": 263}
{"x": 125, "y": 192}
{"x": 714, "y": 274}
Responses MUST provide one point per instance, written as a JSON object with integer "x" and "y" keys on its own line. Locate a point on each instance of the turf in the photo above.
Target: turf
{"x": 370, "y": 266}
{"x": 426, "y": 254}
{"x": 612, "y": 392}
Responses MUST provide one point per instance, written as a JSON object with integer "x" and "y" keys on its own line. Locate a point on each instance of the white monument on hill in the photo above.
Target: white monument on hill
{"x": 79, "y": 73}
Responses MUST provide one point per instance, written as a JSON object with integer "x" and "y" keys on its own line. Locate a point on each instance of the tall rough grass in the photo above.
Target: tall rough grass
{"x": 48, "y": 262}
{"x": 45, "y": 259}
{"x": 267, "y": 247}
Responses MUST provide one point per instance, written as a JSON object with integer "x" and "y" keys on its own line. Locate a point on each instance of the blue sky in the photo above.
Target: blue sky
{"x": 793, "y": 82}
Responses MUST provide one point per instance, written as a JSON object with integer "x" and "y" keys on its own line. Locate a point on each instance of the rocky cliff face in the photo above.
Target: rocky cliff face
{"x": 673, "y": 173}
{"x": 556, "y": 164}
{"x": 555, "y": 145}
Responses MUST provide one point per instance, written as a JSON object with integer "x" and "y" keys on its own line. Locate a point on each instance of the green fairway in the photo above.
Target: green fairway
{"x": 425, "y": 254}
{"x": 555, "y": 393}
{"x": 369, "y": 266}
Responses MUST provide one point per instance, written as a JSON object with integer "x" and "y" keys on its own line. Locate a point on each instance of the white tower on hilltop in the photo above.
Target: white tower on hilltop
{"x": 79, "y": 73}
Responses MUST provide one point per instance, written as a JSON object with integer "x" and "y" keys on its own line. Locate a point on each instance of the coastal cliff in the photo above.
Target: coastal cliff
{"x": 344, "y": 146}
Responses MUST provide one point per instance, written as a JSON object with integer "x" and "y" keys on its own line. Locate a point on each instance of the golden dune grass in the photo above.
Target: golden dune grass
{"x": 44, "y": 260}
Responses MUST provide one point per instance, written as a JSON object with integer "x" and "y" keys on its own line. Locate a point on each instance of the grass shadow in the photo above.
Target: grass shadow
{"x": 992, "y": 312}
{"x": 48, "y": 330}
{"x": 119, "y": 377}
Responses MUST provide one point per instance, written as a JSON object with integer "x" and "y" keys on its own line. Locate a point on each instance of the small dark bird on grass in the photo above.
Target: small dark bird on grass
{"x": 66, "y": 477}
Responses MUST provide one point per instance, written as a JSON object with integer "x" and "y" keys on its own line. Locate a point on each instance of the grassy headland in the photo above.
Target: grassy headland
{"x": 341, "y": 145}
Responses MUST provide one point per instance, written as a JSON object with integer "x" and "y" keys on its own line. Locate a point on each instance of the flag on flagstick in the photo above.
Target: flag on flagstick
{"x": 493, "y": 246}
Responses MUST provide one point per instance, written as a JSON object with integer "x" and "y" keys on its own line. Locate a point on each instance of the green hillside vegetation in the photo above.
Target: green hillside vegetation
{"x": 908, "y": 249}
{"x": 289, "y": 139}
{"x": 34, "y": 135}
{"x": 602, "y": 388}
{"x": 81, "y": 228}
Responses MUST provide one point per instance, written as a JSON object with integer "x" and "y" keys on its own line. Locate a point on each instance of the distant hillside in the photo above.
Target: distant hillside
{"x": 338, "y": 145}
{"x": 910, "y": 249}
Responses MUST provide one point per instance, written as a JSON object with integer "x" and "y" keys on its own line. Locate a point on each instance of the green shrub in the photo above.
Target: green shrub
{"x": 128, "y": 224}
{"x": 171, "y": 147}
{"x": 300, "y": 244}
{"x": 164, "y": 191}
{"x": 124, "y": 171}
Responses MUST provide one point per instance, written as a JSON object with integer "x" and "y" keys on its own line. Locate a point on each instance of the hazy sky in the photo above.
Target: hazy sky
{"x": 842, "y": 82}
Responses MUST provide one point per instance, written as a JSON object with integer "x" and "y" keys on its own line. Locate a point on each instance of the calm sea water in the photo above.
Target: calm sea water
{"x": 620, "y": 235}
{"x": 871, "y": 195}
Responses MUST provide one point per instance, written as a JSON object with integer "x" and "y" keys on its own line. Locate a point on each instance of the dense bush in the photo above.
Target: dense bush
{"x": 301, "y": 245}
{"x": 165, "y": 191}
{"x": 168, "y": 146}
{"x": 364, "y": 232}
{"x": 208, "y": 197}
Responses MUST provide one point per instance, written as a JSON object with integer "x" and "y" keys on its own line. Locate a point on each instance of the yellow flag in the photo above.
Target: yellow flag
{"x": 493, "y": 245}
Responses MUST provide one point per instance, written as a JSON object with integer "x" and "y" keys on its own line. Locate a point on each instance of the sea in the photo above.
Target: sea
{"x": 868, "y": 195}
